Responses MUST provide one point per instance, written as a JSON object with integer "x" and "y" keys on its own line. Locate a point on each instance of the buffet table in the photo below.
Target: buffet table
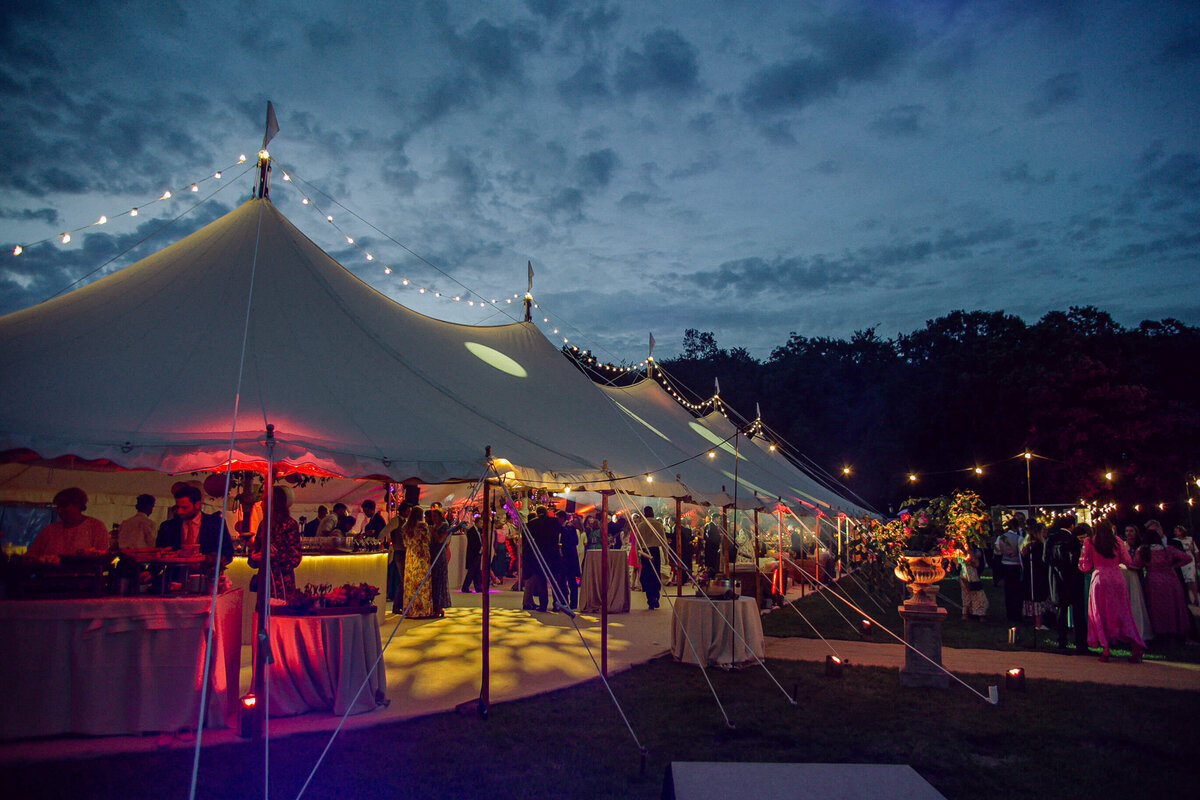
{"x": 707, "y": 625}
{"x": 321, "y": 661}
{"x": 316, "y": 568}
{"x": 590, "y": 595}
{"x": 116, "y": 665}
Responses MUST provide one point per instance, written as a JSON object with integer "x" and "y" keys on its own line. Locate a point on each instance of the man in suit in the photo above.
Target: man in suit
{"x": 474, "y": 572}
{"x": 652, "y": 540}
{"x": 1067, "y": 588}
{"x": 310, "y": 528}
{"x": 191, "y": 527}
{"x": 371, "y": 522}
{"x": 538, "y": 572}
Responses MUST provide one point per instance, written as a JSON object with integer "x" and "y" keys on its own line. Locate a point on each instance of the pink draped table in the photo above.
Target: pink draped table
{"x": 116, "y": 665}
{"x": 321, "y": 662}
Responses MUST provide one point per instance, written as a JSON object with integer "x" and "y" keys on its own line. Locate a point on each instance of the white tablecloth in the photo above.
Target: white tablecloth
{"x": 115, "y": 665}
{"x": 708, "y": 630}
{"x": 590, "y": 596}
{"x": 320, "y": 663}
{"x": 334, "y": 570}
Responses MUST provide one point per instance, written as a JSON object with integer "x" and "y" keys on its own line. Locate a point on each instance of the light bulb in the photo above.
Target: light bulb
{"x": 66, "y": 237}
{"x": 166, "y": 195}
{"x": 370, "y": 257}
{"x": 195, "y": 188}
{"x": 133, "y": 212}
{"x": 217, "y": 175}
{"x": 241, "y": 158}
{"x": 18, "y": 250}
{"x": 103, "y": 219}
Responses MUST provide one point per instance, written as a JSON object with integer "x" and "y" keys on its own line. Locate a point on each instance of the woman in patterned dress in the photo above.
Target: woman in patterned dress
{"x": 416, "y": 566}
{"x": 285, "y": 544}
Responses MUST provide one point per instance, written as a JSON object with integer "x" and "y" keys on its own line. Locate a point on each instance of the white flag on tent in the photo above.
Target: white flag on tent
{"x": 651, "y": 344}
{"x": 529, "y": 290}
{"x": 272, "y": 125}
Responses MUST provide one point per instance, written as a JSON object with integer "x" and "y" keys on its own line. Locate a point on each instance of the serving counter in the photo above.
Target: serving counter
{"x": 334, "y": 569}
{"x": 116, "y": 665}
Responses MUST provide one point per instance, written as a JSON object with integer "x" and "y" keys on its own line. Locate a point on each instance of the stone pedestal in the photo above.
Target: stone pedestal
{"x": 923, "y": 633}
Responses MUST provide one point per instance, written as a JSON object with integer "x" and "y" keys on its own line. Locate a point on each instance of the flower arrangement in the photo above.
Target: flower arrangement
{"x": 324, "y": 595}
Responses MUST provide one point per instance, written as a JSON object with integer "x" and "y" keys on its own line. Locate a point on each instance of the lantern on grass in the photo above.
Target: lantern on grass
{"x": 249, "y": 722}
{"x": 864, "y": 628}
{"x": 833, "y": 667}
{"x": 1014, "y": 679}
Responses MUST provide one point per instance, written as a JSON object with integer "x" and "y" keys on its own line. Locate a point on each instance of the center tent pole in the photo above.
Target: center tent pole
{"x": 604, "y": 582}
{"x": 262, "y": 644}
{"x": 485, "y": 557}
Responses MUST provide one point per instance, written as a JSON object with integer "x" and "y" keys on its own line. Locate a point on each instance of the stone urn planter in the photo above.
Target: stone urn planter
{"x": 921, "y": 573}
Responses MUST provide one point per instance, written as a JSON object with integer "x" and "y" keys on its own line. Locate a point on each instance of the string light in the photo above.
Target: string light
{"x": 65, "y": 236}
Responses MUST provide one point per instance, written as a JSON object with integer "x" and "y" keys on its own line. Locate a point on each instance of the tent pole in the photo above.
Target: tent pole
{"x": 782, "y": 574}
{"x": 681, "y": 566}
{"x": 485, "y": 566}
{"x": 757, "y": 583}
{"x": 726, "y": 567}
{"x": 604, "y": 583}
{"x": 262, "y": 646}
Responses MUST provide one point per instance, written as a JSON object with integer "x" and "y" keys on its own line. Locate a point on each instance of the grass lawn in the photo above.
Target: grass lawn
{"x": 1054, "y": 740}
{"x": 835, "y": 620}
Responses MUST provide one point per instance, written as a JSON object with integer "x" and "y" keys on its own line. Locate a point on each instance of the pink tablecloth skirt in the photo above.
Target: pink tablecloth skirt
{"x": 322, "y": 663}
{"x": 114, "y": 665}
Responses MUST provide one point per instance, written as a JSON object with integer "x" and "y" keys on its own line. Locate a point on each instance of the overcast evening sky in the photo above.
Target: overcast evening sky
{"x": 748, "y": 168}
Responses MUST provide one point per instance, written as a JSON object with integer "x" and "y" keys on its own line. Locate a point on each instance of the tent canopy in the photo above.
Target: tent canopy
{"x": 142, "y": 368}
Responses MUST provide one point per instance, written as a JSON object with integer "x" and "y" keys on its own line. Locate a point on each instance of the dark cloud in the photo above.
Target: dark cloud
{"x": 565, "y": 205}
{"x": 706, "y": 163}
{"x": 444, "y": 96}
{"x": 639, "y": 201}
{"x": 495, "y": 53}
{"x": 1019, "y": 173}
{"x": 48, "y": 215}
{"x": 323, "y": 35}
{"x": 1055, "y": 93}
{"x": 465, "y": 174}
{"x": 1179, "y": 174}
{"x": 585, "y": 86}
{"x": 594, "y": 170}
{"x": 1182, "y": 48}
{"x": 845, "y": 50}
{"x": 667, "y": 64}
{"x": 948, "y": 59}
{"x": 548, "y": 9}
{"x": 589, "y": 30}
{"x": 704, "y": 123}
{"x": 899, "y": 121}
{"x": 754, "y": 276}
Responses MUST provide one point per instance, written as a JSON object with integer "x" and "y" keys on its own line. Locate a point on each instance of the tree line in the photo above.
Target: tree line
{"x": 1084, "y": 394}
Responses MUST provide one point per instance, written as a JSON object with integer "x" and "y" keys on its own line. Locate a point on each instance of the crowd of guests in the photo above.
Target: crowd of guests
{"x": 1098, "y": 585}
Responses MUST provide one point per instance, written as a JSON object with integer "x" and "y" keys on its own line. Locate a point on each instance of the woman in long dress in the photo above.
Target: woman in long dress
{"x": 1109, "y": 617}
{"x": 417, "y": 590}
{"x": 974, "y": 599}
{"x": 1164, "y": 592}
{"x": 439, "y": 532}
{"x": 1035, "y": 577}
{"x": 1133, "y": 582}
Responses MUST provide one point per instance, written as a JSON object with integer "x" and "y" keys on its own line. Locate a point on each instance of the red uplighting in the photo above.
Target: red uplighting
{"x": 248, "y": 701}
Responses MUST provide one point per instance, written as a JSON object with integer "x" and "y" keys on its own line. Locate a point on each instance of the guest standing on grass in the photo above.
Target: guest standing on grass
{"x": 285, "y": 544}
{"x": 1164, "y": 591}
{"x": 1035, "y": 578}
{"x": 569, "y": 537}
{"x": 1008, "y": 549}
{"x": 974, "y": 599}
{"x": 417, "y": 591}
{"x": 1109, "y": 617}
{"x": 1133, "y": 582}
{"x": 1063, "y": 549}
{"x": 1188, "y": 545}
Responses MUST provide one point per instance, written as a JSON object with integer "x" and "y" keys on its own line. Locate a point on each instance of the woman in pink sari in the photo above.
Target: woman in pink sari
{"x": 1164, "y": 590}
{"x": 1109, "y": 617}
